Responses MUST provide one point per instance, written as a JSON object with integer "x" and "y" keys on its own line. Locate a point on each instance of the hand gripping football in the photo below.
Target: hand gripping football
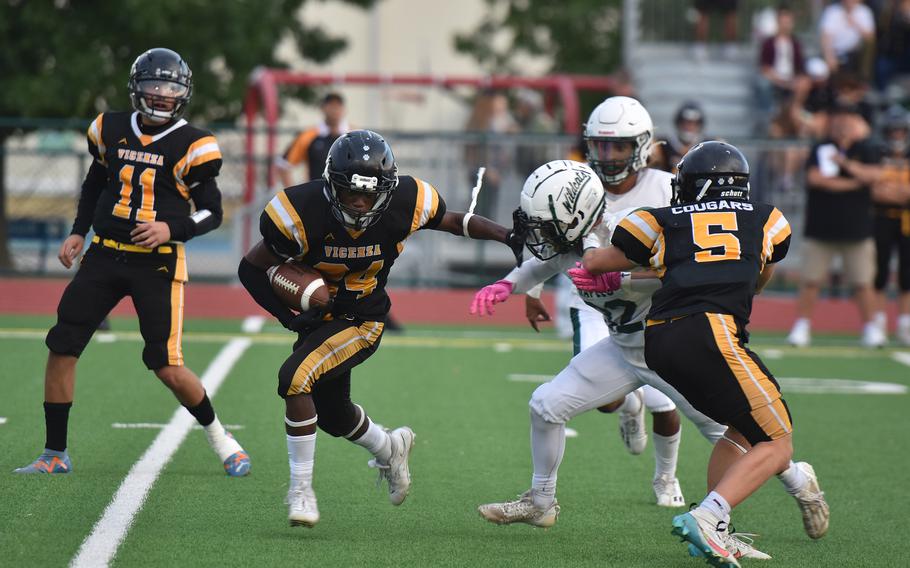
{"x": 299, "y": 286}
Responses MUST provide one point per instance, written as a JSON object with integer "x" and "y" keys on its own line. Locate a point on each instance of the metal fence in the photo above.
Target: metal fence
{"x": 44, "y": 172}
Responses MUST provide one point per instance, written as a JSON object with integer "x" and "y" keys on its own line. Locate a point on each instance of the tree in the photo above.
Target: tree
{"x": 582, "y": 36}
{"x": 71, "y": 59}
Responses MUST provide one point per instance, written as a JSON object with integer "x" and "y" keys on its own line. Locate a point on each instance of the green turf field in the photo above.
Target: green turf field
{"x": 451, "y": 385}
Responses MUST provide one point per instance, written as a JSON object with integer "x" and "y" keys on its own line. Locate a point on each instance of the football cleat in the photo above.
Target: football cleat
{"x": 522, "y": 510}
{"x": 800, "y": 335}
{"x": 812, "y": 504}
{"x": 237, "y": 464}
{"x": 874, "y": 336}
{"x": 632, "y": 426}
{"x": 706, "y": 535}
{"x": 302, "y": 508}
{"x": 740, "y": 545}
{"x": 668, "y": 492}
{"x": 396, "y": 472}
{"x": 50, "y": 461}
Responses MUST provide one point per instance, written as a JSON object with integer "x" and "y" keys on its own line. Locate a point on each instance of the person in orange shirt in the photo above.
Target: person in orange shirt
{"x": 311, "y": 146}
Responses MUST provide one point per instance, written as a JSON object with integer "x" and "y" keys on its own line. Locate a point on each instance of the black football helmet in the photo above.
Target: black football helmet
{"x": 360, "y": 161}
{"x": 896, "y": 130}
{"x": 160, "y": 85}
{"x": 711, "y": 170}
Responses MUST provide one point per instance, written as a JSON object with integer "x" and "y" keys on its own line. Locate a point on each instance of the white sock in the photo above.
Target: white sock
{"x": 801, "y": 323}
{"x": 903, "y": 322}
{"x": 224, "y": 445}
{"x": 793, "y": 479}
{"x": 881, "y": 320}
{"x": 631, "y": 405}
{"x": 666, "y": 452}
{"x": 717, "y": 505}
{"x": 548, "y": 444}
{"x": 301, "y": 454}
{"x": 377, "y": 441}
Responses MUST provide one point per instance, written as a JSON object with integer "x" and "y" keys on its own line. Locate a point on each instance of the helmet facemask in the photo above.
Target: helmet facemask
{"x": 339, "y": 184}
{"x": 612, "y": 172}
{"x": 160, "y": 100}
{"x": 547, "y": 238}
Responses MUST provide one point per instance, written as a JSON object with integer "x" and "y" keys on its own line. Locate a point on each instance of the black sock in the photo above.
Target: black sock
{"x": 203, "y": 412}
{"x": 56, "y": 419}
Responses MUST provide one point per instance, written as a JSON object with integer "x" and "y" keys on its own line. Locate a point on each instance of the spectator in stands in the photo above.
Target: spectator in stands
{"x": 531, "y": 118}
{"x": 690, "y": 130}
{"x": 840, "y": 170}
{"x": 893, "y": 40}
{"x": 819, "y": 98}
{"x": 783, "y": 81}
{"x": 891, "y": 195}
{"x": 847, "y": 30}
{"x": 311, "y": 146}
{"x": 726, "y": 8}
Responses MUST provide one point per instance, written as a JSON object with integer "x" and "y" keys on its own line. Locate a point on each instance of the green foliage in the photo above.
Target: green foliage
{"x": 582, "y": 36}
{"x": 71, "y": 58}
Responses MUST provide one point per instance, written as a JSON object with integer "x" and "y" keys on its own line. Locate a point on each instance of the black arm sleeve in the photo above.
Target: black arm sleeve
{"x": 88, "y": 198}
{"x": 256, "y": 282}
{"x": 207, "y": 198}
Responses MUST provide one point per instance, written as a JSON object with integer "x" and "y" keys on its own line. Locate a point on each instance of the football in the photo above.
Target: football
{"x": 300, "y": 287}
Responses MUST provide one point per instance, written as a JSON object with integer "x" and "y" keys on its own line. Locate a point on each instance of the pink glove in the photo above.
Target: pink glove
{"x": 587, "y": 282}
{"x": 487, "y": 296}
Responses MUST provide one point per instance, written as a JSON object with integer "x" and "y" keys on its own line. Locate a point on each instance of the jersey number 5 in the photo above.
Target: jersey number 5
{"x": 123, "y": 208}
{"x": 710, "y": 232}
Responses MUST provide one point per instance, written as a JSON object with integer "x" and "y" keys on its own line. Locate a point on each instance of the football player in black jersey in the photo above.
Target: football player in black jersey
{"x": 713, "y": 250}
{"x": 148, "y": 166}
{"x": 351, "y": 226}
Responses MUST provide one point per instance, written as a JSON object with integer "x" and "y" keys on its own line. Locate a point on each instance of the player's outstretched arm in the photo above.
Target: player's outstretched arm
{"x": 483, "y": 229}
{"x": 252, "y": 274}
{"x": 606, "y": 259}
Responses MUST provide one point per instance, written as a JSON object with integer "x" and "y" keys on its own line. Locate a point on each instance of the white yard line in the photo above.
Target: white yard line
{"x": 2, "y": 420}
{"x": 902, "y": 357}
{"x": 253, "y": 324}
{"x": 101, "y": 545}
{"x": 160, "y": 426}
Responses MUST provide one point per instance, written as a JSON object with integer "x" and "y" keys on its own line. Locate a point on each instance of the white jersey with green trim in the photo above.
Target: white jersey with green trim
{"x": 624, "y": 310}
{"x": 652, "y": 189}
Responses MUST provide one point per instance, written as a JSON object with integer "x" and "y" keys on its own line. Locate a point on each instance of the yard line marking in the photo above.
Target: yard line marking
{"x": 838, "y": 386}
{"x": 571, "y": 432}
{"x": 901, "y": 357}
{"x": 2, "y": 420}
{"x": 523, "y": 378}
{"x": 772, "y": 353}
{"x": 159, "y": 426}
{"x": 253, "y": 324}
{"x": 788, "y": 384}
{"x": 101, "y": 545}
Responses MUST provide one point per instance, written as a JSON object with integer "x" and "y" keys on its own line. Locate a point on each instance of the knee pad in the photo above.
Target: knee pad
{"x": 656, "y": 401}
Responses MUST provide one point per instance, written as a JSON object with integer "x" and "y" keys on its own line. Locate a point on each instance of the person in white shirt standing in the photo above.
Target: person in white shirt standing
{"x": 847, "y": 30}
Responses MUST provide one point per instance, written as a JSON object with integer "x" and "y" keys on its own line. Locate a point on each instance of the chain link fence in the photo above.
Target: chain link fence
{"x": 45, "y": 169}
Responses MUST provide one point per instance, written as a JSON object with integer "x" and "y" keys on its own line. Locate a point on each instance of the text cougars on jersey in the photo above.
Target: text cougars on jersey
{"x": 141, "y": 157}
{"x": 712, "y": 206}
{"x": 353, "y": 252}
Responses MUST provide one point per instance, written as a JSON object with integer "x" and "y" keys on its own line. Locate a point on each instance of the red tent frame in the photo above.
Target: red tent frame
{"x": 263, "y": 94}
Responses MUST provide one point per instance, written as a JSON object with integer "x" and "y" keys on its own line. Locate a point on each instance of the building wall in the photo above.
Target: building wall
{"x": 397, "y": 36}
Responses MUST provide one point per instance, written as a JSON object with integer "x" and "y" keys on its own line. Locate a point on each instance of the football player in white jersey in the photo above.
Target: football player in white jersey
{"x": 563, "y": 201}
{"x": 618, "y": 140}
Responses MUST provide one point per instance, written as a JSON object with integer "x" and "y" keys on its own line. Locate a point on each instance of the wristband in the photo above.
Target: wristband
{"x": 464, "y": 224}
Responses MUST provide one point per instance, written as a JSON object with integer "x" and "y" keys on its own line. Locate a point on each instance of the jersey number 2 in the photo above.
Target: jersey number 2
{"x": 363, "y": 282}
{"x": 712, "y": 231}
{"x": 123, "y": 208}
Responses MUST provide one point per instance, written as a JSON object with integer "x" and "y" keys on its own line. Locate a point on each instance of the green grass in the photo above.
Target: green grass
{"x": 450, "y": 386}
